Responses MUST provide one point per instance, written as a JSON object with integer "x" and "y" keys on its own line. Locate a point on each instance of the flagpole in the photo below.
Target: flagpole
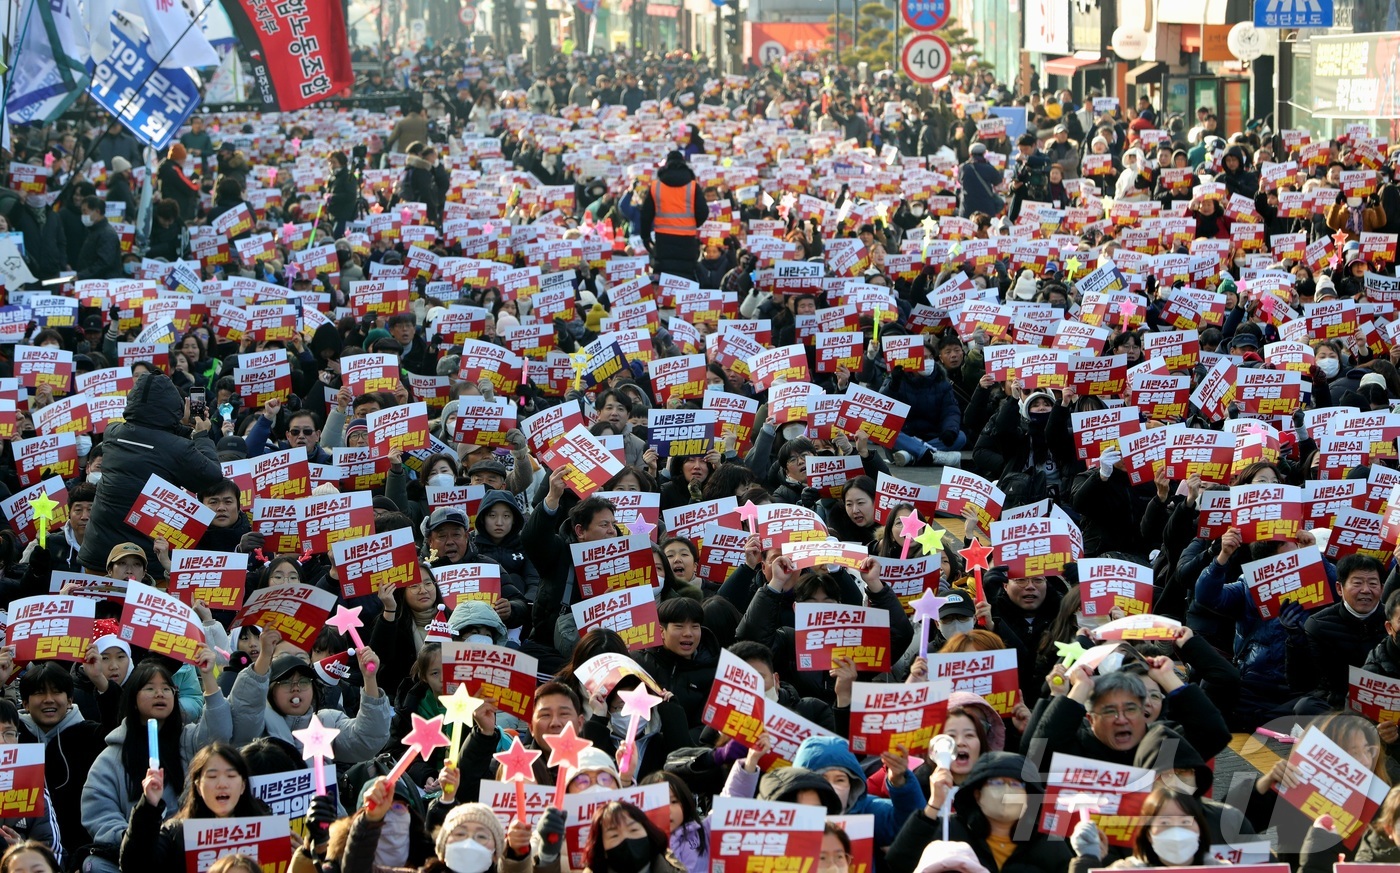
{"x": 62, "y": 194}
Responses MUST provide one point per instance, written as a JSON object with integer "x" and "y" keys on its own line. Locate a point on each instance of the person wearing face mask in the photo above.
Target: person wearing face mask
{"x": 497, "y": 536}
{"x": 101, "y": 255}
{"x": 990, "y": 814}
{"x": 1179, "y": 767}
{"x": 471, "y": 840}
{"x": 1176, "y": 836}
{"x": 275, "y": 696}
{"x": 932, "y": 432}
{"x": 388, "y": 833}
{"x": 1028, "y": 446}
{"x": 623, "y": 840}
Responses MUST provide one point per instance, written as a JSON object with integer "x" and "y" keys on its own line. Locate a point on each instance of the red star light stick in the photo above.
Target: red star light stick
{"x": 426, "y": 735}
{"x": 347, "y": 621}
{"x": 517, "y": 764}
{"x": 636, "y": 703}
{"x": 909, "y": 527}
{"x": 564, "y": 749}
{"x": 976, "y": 556}
{"x": 316, "y": 741}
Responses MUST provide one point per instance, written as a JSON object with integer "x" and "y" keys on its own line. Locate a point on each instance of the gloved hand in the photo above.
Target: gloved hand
{"x": 1106, "y": 462}
{"x": 1298, "y": 413}
{"x": 809, "y": 497}
{"x": 948, "y": 437}
{"x": 1084, "y": 839}
{"x": 550, "y": 828}
{"x": 1293, "y": 616}
{"x": 250, "y": 542}
{"x": 320, "y": 813}
{"x": 515, "y": 438}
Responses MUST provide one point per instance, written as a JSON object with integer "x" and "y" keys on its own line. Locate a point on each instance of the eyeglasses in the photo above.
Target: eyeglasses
{"x": 298, "y": 684}
{"x": 1127, "y": 710}
{"x": 584, "y": 780}
{"x": 9, "y": 736}
{"x": 1156, "y": 695}
{"x": 301, "y": 431}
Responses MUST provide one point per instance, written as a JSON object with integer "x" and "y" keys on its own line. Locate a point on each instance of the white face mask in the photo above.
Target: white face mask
{"x": 771, "y": 693}
{"x": 88, "y": 220}
{"x": 1329, "y": 366}
{"x": 951, "y": 626}
{"x": 441, "y": 480}
{"x": 94, "y": 477}
{"x": 617, "y": 724}
{"x": 793, "y": 431}
{"x": 393, "y": 840}
{"x": 916, "y": 211}
{"x": 469, "y": 856}
{"x": 480, "y": 639}
{"x": 1175, "y": 845}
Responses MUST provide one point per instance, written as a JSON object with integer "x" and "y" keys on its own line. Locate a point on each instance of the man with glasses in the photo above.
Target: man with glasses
{"x": 303, "y": 432}
{"x": 1116, "y": 722}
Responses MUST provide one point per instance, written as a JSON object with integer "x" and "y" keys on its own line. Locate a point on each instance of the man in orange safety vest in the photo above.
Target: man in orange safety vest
{"x": 671, "y": 217}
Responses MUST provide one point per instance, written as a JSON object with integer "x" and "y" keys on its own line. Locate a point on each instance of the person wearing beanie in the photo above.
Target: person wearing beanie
{"x": 175, "y": 185}
{"x": 672, "y": 214}
{"x": 594, "y": 322}
{"x": 471, "y": 840}
{"x": 357, "y": 433}
{"x": 1025, "y": 287}
{"x": 119, "y": 187}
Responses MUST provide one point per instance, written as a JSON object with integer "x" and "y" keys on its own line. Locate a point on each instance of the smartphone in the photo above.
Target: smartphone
{"x": 199, "y": 407}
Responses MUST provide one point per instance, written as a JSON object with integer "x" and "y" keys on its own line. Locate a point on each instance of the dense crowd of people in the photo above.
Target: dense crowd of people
{"x": 595, "y": 390}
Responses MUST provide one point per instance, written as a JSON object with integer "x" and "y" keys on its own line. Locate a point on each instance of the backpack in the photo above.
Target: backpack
{"x": 1024, "y": 487}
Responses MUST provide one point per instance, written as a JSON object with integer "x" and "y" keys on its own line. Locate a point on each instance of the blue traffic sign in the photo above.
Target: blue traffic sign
{"x": 925, "y": 14}
{"x": 1292, "y": 13}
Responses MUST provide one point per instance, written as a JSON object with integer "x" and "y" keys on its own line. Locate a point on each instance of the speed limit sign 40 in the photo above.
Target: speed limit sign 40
{"x": 926, "y": 58}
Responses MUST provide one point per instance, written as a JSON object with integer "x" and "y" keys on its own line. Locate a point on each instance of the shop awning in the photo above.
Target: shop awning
{"x": 1072, "y": 64}
{"x": 1145, "y": 73}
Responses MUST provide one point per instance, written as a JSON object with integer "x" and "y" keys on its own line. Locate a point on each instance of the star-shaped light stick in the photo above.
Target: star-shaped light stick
{"x": 460, "y": 707}
{"x": 909, "y": 528}
{"x": 1072, "y": 266}
{"x": 316, "y": 740}
{"x": 976, "y": 556}
{"x": 579, "y": 362}
{"x": 1069, "y": 654}
{"x": 426, "y": 736}
{"x": 43, "y": 507}
{"x": 748, "y": 514}
{"x": 636, "y": 703}
{"x": 564, "y": 749}
{"x": 926, "y": 608}
{"x": 347, "y": 621}
{"x": 931, "y": 539}
{"x": 641, "y": 526}
{"x": 517, "y": 765}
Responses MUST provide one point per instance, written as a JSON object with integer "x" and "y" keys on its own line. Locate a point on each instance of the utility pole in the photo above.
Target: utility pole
{"x": 544, "y": 46}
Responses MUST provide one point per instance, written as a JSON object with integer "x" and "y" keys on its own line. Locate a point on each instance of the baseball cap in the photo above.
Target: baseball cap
{"x": 446, "y": 515}
{"x": 956, "y": 605}
{"x": 121, "y": 550}
{"x": 285, "y": 665}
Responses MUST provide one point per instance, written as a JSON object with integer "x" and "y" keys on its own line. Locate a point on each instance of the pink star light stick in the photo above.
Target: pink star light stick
{"x": 909, "y": 527}
{"x": 347, "y": 621}
{"x": 564, "y": 749}
{"x": 748, "y": 514}
{"x": 316, "y": 741}
{"x": 636, "y": 703}
{"x": 426, "y": 735}
{"x": 518, "y": 764}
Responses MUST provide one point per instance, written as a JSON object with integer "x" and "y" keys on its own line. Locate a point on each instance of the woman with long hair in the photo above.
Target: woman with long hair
{"x": 115, "y": 782}
{"x": 690, "y": 831}
{"x": 216, "y": 786}
{"x": 623, "y": 840}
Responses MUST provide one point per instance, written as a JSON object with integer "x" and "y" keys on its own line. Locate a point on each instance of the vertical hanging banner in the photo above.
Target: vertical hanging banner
{"x": 300, "y": 54}
{"x": 152, "y": 105}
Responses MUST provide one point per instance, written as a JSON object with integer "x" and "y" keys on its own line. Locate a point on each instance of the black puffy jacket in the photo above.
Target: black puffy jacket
{"x": 520, "y": 581}
{"x": 149, "y": 440}
{"x": 1335, "y": 641}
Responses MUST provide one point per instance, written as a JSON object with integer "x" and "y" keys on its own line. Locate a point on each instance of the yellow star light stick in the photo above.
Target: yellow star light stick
{"x": 931, "y": 540}
{"x": 43, "y": 507}
{"x": 1069, "y": 655}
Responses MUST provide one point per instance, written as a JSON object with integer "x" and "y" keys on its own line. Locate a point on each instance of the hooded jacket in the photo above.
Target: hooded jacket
{"x": 1034, "y": 852}
{"x": 360, "y": 738}
{"x": 1239, "y": 180}
{"x": 470, "y": 613}
{"x": 520, "y": 581}
{"x": 417, "y": 184}
{"x": 148, "y": 441}
{"x": 786, "y": 783}
{"x": 820, "y": 754}
{"x": 107, "y": 796}
{"x": 1162, "y": 752}
{"x": 70, "y": 748}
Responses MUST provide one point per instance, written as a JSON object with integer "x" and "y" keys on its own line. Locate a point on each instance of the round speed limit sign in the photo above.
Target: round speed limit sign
{"x": 926, "y": 58}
